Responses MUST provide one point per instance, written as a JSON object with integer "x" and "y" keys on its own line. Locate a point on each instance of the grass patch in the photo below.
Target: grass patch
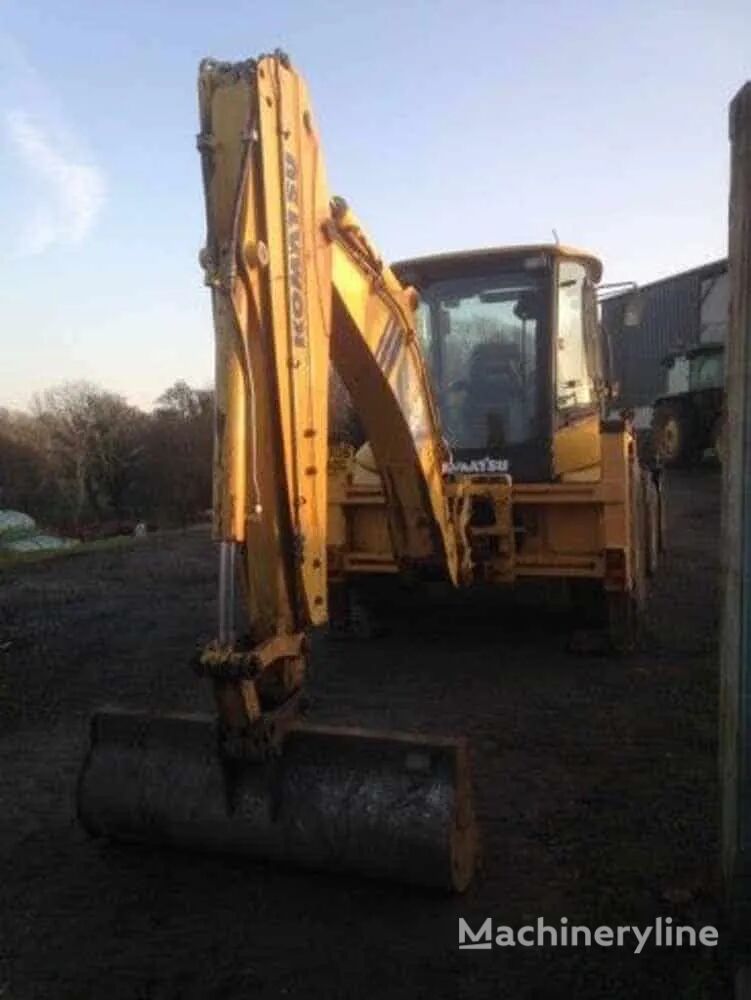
{"x": 18, "y": 534}
{"x": 9, "y": 560}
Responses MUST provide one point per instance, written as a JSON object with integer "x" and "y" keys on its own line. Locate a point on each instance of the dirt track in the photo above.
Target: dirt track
{"x": 596, "y": 789}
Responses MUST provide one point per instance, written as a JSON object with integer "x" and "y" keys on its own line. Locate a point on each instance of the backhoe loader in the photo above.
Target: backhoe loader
{"x": 477, "y": 380}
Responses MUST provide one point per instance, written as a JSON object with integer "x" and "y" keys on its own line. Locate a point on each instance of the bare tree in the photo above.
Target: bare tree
{"x": 84, "y": 457}
{"x": 181, "y": 400}
{"x": 179, "y": 453}
{"x": 27, "y": 481}
{"x": 93, "y": 445}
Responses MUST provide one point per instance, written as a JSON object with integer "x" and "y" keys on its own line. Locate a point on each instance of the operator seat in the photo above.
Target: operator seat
{"x": 494, "y": 404}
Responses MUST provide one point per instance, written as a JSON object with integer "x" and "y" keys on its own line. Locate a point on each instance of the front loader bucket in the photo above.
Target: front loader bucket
{"x": 380, "y": 804}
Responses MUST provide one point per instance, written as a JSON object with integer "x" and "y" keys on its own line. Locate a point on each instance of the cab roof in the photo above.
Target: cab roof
{"x": 422, "y": 270}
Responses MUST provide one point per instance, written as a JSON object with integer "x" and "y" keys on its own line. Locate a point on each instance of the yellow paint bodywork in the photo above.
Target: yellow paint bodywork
{"x": 557, "y": 529}
{"x": 577, "y": 450}
{"x": 270, "y": 277}
{"x": 375, "y": 350}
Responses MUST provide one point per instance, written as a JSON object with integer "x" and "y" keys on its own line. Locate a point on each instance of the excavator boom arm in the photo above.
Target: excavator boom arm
{"x": 296, "y": 285}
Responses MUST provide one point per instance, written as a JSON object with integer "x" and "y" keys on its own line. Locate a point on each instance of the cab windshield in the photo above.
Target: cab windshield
{"x": 482, "y": 338}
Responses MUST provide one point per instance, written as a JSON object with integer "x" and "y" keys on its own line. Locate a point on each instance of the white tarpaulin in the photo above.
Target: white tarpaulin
{"x": 19, "y": 533}
{"x": 15, "y": 521}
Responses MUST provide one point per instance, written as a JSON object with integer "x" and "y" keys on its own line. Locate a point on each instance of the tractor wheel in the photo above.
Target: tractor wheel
{"x": 673, "y": 434}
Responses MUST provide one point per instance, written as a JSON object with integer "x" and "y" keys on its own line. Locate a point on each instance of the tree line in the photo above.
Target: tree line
{"x": 85, "y": 461}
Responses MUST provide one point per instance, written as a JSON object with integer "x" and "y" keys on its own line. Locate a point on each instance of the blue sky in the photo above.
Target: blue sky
{"x": 446, "y": 125}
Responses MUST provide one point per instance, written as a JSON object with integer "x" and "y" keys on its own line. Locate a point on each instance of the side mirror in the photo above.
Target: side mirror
{"x": 633, "y": 306}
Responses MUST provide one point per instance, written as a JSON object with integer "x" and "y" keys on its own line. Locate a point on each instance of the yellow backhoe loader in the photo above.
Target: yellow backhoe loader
{"x": 477, "y": 378}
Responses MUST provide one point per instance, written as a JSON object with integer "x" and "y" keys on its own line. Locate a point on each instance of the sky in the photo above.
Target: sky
{"x": 447, "y": 125}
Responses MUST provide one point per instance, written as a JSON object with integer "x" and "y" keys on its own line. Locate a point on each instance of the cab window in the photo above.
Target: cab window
{"x": 707, "y": 371}
{"x": 483, "y": 338}
{"x": 574, "y": 360}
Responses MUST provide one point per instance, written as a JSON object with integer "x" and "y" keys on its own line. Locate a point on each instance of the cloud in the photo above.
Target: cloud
{"x": 70, "y": 191}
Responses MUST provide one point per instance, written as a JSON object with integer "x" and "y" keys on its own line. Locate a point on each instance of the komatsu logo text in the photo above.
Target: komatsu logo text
{"x": 294, "y": 252}
{"x": 486, "y": 466}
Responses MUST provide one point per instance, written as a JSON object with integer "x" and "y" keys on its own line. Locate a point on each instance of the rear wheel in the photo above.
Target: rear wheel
{"x": 673, "y": 434}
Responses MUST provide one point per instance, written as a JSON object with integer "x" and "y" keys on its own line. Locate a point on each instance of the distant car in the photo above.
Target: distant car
{"x": 690, "y": 418}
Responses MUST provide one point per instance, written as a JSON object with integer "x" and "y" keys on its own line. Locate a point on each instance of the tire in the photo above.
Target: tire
{"x": 673, "y": 434}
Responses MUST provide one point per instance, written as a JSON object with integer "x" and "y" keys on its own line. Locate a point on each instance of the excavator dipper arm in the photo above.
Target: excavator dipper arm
{"x": 296, "y": 285}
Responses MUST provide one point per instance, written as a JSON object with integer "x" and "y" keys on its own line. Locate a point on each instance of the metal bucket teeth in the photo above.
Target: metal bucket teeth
{"x": 381, "y": 804}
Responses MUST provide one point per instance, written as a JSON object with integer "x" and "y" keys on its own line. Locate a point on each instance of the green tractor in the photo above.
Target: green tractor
{"x": 690, "y": 418}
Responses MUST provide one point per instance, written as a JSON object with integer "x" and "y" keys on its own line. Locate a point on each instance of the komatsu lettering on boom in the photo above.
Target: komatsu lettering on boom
{"x": 294, "y": 252}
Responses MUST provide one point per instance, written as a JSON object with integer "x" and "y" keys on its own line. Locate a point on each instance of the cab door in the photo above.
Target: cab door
{"x": 576, "y": 382}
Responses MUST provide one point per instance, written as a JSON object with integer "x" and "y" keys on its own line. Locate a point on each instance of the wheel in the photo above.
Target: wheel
{"x": 673, "y": 434}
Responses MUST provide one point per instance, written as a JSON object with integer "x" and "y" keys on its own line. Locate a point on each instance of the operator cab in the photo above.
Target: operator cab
{"x": 700, "y": 367}
{"x": 511, "y": 339}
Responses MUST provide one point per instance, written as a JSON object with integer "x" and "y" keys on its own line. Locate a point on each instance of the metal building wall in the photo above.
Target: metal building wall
{"x": 670, "y": 319}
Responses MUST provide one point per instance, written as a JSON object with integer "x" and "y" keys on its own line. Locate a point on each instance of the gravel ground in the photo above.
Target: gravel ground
{"x": 596, "y": 791}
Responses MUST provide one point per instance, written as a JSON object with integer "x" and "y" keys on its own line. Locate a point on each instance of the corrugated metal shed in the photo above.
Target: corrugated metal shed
{"x": 671, "y": 319}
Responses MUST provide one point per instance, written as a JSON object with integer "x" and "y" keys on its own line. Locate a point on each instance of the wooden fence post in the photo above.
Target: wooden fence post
{"x": 735, "y": 653}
